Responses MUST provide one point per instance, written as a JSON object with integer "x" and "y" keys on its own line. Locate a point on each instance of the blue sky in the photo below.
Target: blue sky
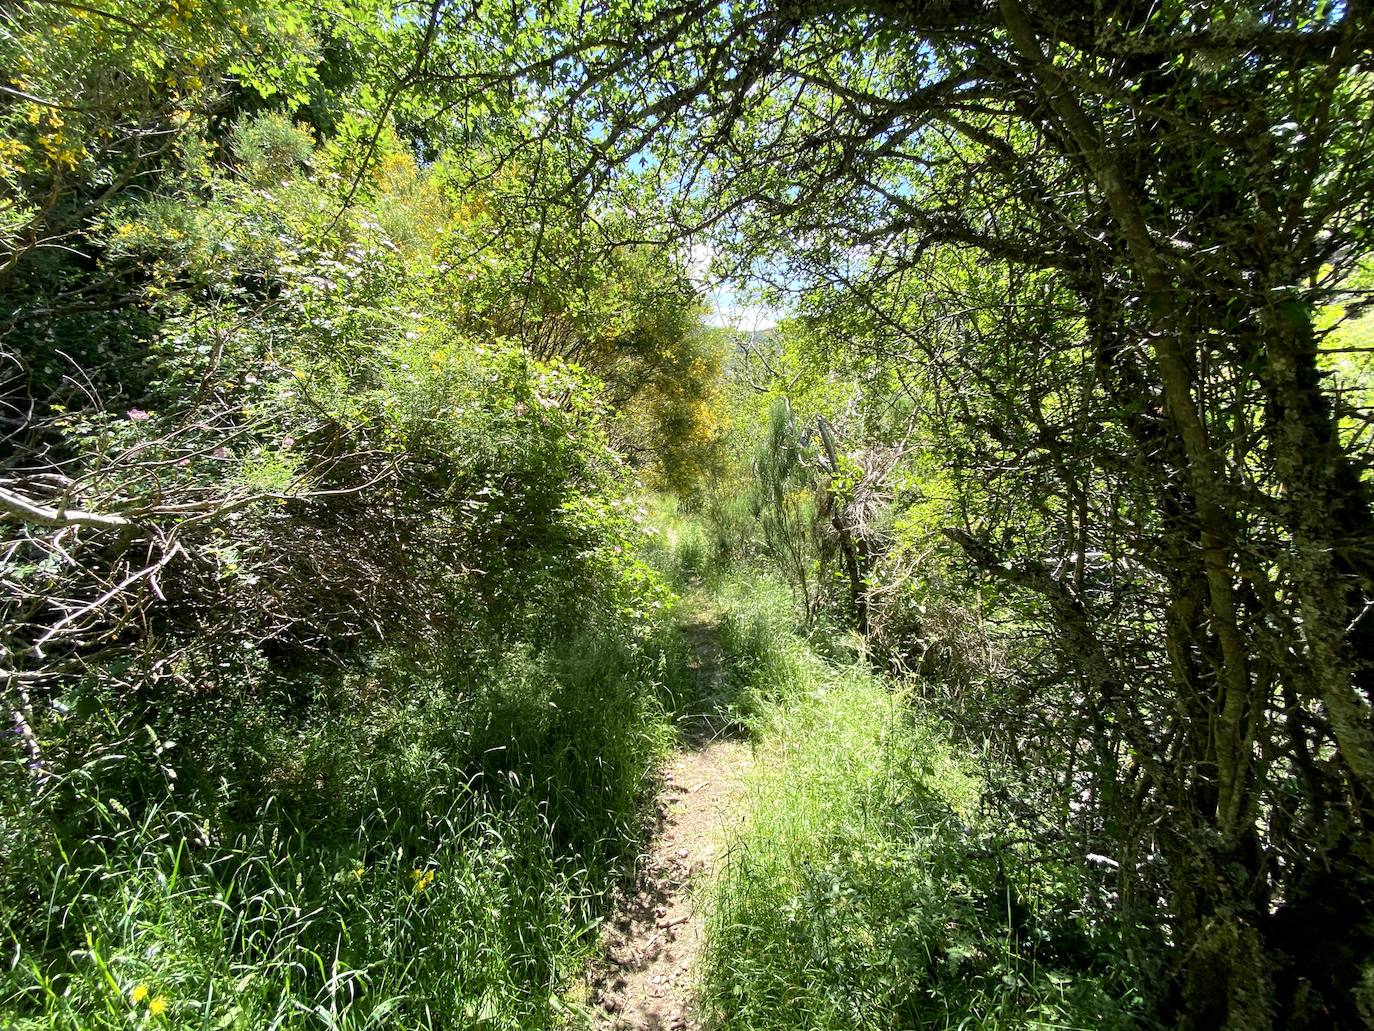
{"x": 728, "y": 304}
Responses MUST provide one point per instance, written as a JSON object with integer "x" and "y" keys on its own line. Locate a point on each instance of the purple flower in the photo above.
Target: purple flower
{"x": 137, "y": 414}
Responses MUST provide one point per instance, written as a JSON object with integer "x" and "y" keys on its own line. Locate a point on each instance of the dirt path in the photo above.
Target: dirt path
{"x": 649, "y": 950}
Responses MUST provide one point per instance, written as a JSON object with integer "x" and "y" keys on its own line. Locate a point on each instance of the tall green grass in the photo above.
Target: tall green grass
{"x": 867, "y": 887}
{"x": 413, "y": 850}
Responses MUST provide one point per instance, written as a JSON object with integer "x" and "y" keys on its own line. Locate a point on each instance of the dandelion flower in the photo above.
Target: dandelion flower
{"x": 158, "y": 1006}
{"x": 358, "y": 872}
{"x": 139, "y": 993}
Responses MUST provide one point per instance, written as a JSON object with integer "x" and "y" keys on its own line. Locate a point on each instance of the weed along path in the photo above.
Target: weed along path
{"x": 644, "y": 977}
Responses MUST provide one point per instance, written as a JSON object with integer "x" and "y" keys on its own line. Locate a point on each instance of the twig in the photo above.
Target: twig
{"x": 113, "y": 592}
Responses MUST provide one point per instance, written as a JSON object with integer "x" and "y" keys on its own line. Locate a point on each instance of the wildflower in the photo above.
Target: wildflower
{"x": 137, "y": 414}
{"x": 422, "y": 878}
{"x": 358, "y": 871}
{"x": 139, "y": 993}
{"x": 158, "y": 1006}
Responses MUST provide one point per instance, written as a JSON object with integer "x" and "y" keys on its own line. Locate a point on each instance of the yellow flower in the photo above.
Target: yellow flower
{"x": 158, "y": 1006}
{"x": 359, "y": 871}
{"x": 422, "y": 878}
{"x": 139, "y": 993}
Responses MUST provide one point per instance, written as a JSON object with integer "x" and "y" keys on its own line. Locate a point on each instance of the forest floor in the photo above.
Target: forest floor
{"x": 643, "y": 979}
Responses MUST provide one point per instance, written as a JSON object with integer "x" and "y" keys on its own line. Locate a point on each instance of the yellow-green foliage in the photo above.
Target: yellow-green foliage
{"x": 681, "y": 415}
{"x": 90, "y": 81}
{"x": 1348, "y": 348}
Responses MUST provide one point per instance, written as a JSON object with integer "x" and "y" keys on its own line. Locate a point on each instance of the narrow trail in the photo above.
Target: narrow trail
{"x": 644, "y": 978}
